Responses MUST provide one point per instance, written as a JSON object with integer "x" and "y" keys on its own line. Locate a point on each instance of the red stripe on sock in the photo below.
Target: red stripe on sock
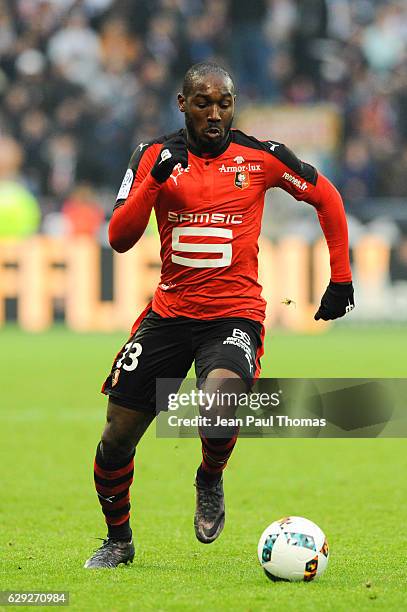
{"x": 108, "y": 491}
{"x": 113, "y": 474}
{"x": 210, "y": 469}
{"x": 218, "y": 447}
{"x": 215, "y": 457}
{"x": 118, "y": 520}
{"x": 117, "y": 505}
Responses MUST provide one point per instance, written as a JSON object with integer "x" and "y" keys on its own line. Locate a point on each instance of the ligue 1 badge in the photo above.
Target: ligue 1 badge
{"x": 115, "y": 377}
{"x": 242, "y": 180}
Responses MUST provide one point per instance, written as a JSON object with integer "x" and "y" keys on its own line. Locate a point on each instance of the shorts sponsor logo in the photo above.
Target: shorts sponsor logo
{"x": 295, "y": 181}
{"x": 249, "y": 359}
{"x": 241, "y": 339}
{"x": 242, "y": 180}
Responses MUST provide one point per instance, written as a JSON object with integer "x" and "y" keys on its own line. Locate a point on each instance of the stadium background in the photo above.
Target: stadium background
{"x": 81, "y": 84}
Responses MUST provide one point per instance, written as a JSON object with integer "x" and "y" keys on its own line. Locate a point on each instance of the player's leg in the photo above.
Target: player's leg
{"x": 113, "y": 476}
{"x": 218, "y": 441}
{"x": 114, "y": 465}
{"x": 217, "y": 446}
{"x": 159, "y": 348}
{"x": 228, "y": 361}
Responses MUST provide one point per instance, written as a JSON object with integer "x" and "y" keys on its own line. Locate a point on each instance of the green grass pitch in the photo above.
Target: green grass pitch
{"x": 52, "y": 415}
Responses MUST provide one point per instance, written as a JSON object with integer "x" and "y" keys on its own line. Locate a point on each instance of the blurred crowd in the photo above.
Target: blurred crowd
{"x": 82, "y": 82}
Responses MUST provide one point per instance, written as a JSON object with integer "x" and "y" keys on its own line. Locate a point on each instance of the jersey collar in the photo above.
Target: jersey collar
{"x": 196, "y": 151}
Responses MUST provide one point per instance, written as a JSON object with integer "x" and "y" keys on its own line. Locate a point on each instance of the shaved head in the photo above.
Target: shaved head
{"x": 197, "y": 73}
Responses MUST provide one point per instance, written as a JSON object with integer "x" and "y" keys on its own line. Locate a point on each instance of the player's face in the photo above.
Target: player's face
{"x": 209, "y": 111}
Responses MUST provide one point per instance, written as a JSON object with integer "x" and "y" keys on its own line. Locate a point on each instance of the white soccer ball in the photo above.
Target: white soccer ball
{"x": 293, "y": 549}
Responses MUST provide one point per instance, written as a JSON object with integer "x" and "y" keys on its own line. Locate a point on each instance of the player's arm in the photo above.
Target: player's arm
{"x": 148, "y": 169}
{"x": 301, "y": 180}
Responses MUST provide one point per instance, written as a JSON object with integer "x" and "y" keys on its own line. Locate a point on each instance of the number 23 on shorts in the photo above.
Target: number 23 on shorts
{"x": 132, "y": 351}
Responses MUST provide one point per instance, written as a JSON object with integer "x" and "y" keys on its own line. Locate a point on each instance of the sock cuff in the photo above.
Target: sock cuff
{"x": 208, "y": 476}
{"x": 111, "y": 465}
{"x": 219, "y": 444}
{"x": 233, "y": 434}
{"x": 121, "y": 533}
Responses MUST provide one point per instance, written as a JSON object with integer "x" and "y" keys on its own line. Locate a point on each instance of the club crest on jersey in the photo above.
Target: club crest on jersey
{"x": 242, "y": 180}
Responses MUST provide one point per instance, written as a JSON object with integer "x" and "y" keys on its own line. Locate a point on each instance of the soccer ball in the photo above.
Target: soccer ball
{"x": 293, "y": 549}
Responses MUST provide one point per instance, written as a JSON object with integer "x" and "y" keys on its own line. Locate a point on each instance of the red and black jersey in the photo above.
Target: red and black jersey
{"x": 209, "y": 218}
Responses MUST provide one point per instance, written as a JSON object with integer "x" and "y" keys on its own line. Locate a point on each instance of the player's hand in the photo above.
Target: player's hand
{"x": 336, "y": 301}
{"x": 173, "y": 152}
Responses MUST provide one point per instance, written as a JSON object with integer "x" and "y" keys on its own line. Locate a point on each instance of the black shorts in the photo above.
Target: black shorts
{"x": 167, "y": 347}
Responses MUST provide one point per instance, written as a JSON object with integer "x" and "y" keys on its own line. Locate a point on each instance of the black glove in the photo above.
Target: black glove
{"x": 336, "y": 301}
{"x": 173, "y": 152}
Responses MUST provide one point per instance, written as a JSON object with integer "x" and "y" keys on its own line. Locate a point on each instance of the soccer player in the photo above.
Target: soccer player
{"x": 206, "y": 184}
